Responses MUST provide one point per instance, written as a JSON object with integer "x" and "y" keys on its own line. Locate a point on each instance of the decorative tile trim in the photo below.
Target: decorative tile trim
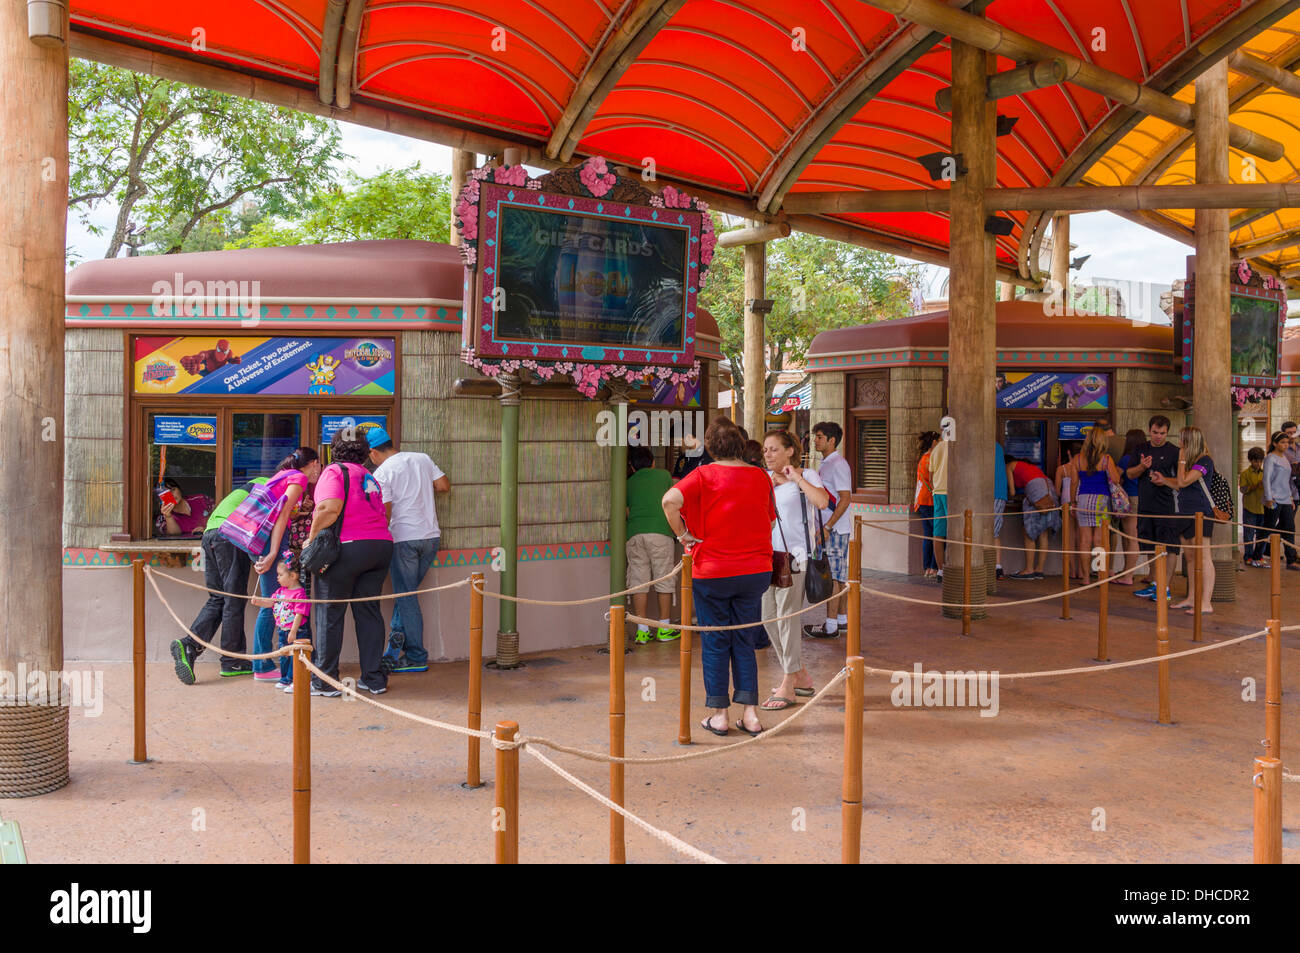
{"x": 118, "y": 314}
{"x": 446, "y": 558}
{"x": 1035, "y": 357}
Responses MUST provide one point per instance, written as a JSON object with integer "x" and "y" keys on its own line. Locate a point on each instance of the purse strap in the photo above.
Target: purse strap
{"x": 812, "y": 553}
{"x": 779, "y": 524}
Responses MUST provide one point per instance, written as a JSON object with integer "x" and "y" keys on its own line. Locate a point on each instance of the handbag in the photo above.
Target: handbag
{"x": 1119, "y": 501}
{"x": 1219, "y": 496}
{"x": 782, "y": 574}
{"x": 250, "y": 524}
{"x": 323, "y": 551}
{"x": 817, "y": 583}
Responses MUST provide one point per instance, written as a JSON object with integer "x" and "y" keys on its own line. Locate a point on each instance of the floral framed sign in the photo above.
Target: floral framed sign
{"x": 1258, "y": 308}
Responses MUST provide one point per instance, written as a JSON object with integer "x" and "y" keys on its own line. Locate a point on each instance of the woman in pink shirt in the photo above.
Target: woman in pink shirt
{"x": 360, "y": 570}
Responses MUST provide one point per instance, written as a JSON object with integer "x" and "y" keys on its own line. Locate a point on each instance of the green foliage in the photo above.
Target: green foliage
{"x": 816, "y": 285}
{"x": 175, "y": 158}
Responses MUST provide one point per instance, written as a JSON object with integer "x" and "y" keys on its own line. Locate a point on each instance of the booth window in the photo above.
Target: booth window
{"x": 867, "y": 435}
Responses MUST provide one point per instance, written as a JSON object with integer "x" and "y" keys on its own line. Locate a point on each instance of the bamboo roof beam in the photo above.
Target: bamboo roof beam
{"x": 755, "y": 234}
{"x": 995, "y": 38}
{"x": 633, "y": 35}
{"x": 347, "y": 57}
{"x": 1277, "y": 244}
{"x": 1270, "y": 73}
{"x": 329, "y": 51}
{"x": 1012, "y": 82}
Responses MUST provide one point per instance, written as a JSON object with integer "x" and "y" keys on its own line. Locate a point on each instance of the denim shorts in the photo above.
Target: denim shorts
{"x": 837, "y": 554}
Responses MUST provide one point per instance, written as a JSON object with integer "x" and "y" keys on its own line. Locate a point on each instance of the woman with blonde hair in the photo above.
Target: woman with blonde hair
{"x": 1096, "y": 472}
{"x": 1195, "y": 466}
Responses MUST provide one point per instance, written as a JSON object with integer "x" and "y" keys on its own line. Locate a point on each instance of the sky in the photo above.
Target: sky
{"x": 1120, "y": 249}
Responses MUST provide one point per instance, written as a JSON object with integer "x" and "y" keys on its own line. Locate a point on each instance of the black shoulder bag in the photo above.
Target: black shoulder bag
{"x": 324, "y": 551}
{"x": 817, "y": 583}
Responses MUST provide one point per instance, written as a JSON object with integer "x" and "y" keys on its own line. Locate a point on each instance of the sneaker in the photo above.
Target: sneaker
{"x": 1038, "y": 575}
{"x": 273, "y": 675}
{"x": 184, "y": 657}
{"x": 388, "y": 665}
{"x": 642, "y": 636}
{"x": 1152, "y": 597}
{"x": 406, "y": 665}
{"x": 324, "y": 691}
{"x": 236, "y": 668}
{"x": 1146, "y": 593}
{"x": 667, "y": 635}
{"x": 999, "y": 572}
{"x": 284, "y": 686}
{"x": 374, "y": 691}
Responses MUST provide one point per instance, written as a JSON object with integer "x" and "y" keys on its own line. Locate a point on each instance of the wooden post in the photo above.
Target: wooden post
{"x": 140, "y": 754}
{"x": 617, "y": 727}
{"x": 1162, "y": 640}
{"x": 1275, "y": 559}
{"x": 853, "y": 639}
{"x": 965, "y": 583}
{"x": 851, "y": 789}
{"x": 505, "y": 822}
{"x": 1103, "y": 610}
{"x": 1197, "y": 585}
{"x": 684, "y": 656}
{"x": 1067, "y": 544}
{"x": 1273, "y": 690}
{"x": 1268, "y": 810}
{"x": 301, "y": 753}
{"x": 474, "y": 718}
{"x": 33, "y": 221}
{"x": 1061, "y": 260}
{"x": 755, "y": 347}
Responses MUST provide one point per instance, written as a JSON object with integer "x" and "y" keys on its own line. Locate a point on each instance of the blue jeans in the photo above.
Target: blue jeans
{"x": 729, "y": 600}
{"x": 926, "y": 516}
{"x": 1251, "y": 536}
{"x": 411, "y": 560}
{"x": 264, "y": 628}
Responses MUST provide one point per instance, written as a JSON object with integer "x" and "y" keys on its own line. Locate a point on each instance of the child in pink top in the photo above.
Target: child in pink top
{"x": 292, "y": 616}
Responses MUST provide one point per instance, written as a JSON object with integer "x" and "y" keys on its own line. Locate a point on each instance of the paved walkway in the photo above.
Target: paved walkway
{"x": 942, "y": 785}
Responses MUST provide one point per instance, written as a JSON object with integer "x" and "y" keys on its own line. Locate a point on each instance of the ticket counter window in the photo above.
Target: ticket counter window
{"x": 258, "y": 442}
{"x": 182, "y": 471}
{"x": 1025, "y": 440}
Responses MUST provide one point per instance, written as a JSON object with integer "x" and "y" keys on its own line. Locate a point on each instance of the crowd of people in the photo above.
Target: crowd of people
{"x": 385, "y": 524}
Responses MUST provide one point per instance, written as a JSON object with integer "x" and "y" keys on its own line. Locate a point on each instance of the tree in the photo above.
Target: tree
{"x": 396, "y": 203}
{"x": 816, "y": 284}
{"x": 173, "y": 156}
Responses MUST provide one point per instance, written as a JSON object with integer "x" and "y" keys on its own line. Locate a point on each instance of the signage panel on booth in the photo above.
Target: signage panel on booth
{"x": 1052, "y": 390}
{"x": 174, "y": 431}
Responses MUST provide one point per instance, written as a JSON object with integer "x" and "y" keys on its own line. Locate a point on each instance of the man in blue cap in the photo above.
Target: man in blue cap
{"x": 407, "y": 481}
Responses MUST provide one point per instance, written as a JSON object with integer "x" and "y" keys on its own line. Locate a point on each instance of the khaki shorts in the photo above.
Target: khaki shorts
{"x": 649, "y": 556}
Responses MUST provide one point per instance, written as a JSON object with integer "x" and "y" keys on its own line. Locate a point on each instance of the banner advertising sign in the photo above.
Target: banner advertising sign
{"x": 330, "y": 424}
{"x": 184, "y": 431}
{"x": 275, "y": 366}
{"x": 1052, "y": 390}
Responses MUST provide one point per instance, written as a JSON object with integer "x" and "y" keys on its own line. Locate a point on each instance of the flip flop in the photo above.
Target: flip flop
{"x": 720, "y": 732}
{"x": 785, "y": 703}
{"x": 740, "y": 726}
{"x": 805, "y": 692}
{"x": 1021, "y": 575}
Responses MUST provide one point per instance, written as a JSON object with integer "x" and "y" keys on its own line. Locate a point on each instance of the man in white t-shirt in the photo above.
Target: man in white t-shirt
{"x": 836, "y": 526}
{"x": 407, "y": 482}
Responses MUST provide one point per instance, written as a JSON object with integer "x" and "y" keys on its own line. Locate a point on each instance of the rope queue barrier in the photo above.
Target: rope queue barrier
{"x": 315, "y": 602}
{"x": 645, "y": 586}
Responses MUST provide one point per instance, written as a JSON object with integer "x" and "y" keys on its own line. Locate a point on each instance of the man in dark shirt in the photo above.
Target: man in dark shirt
{"x": 1158, "y": 455}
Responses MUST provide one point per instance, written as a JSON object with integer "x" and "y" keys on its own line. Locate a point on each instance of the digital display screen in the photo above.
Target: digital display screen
{"x": 1254, "y": 337}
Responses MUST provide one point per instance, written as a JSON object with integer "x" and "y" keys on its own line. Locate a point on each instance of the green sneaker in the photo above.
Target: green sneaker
{"x": 642, "y": 636}
{"x": 667, "y": 635}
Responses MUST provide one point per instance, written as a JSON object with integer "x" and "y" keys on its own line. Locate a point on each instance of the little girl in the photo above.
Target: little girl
{"x": 292, "y": 617}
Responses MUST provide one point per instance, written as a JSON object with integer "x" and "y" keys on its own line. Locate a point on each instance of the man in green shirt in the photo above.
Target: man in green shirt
{"x": 649, "y": 541}
{"x": 225, "y": 569}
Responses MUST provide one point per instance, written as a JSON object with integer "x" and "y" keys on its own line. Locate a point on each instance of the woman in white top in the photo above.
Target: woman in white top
{"x": 790, "y": 485}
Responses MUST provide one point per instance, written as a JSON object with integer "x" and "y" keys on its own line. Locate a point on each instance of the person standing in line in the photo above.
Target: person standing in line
{"x": 693, "y": 455}
{"x": 1156, "y": 500}
{"x": 923, "y": 502}
{"x": 1129, "y": 521}
{"x": 1000, "y": 496}
{"x": 1067, "y": 490}
{"x": 1251, "y": 481}
{"x": 1279, "y": 505}
{"x": 939, "y": 487}
{"x": 1293, "y": 458}
{"x": 1039, "y": 513}
{"x": 1195, "y": 472}
{"x": 836, "y": 526}
{"x": 649, "y": 543}
{"x": 1094, "y": 471}
{"x": 407, "y": 483}
{"x": 795, "y": 490}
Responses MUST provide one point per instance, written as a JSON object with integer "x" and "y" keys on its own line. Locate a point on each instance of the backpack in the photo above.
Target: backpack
{"x": 1221, "y": 497}
{"x": 249, "y": 526}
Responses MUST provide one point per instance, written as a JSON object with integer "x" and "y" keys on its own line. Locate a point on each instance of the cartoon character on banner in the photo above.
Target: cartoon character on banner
{"x": 213, "y": 359}
{"x": 322, "y": 374}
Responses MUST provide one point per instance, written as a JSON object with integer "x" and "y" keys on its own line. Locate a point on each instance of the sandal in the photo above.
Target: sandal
{"x": 784, "y": 703}
{"x": 740, "y": 726}
{"x": 1023, "y": 574}
{"x": 707, "y": 725}
{"x": 805, "y": 692}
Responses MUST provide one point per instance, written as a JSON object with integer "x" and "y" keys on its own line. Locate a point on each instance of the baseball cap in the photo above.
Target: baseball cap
{"x": 377, "y": 437}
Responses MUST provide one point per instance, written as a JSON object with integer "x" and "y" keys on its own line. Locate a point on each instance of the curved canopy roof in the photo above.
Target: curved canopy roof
{"x": 745, "y": 100}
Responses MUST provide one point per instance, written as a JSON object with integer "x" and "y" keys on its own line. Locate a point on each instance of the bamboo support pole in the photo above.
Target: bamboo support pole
{"x": 965, "y": 582}
{"x": 1197, "y": 580}
{"x": 1276, "y": 76}
{"x": 1012, "y": 82}
{"x": 1164, "y": 716}
{"x": 851, "y": 790}
{"x": 755, "y": 348}
{"x": 474, "y": 717}
{"x": 1066, "y": 559}
{"x": 853, "y": 639}
{"x": 505, "y": 823}
{"x": 140, "y": 753}
{"x": 1267, "y": 783}
{"x": 1103, "y": 609}
{"x": 1275, "y": 559}
{"x": 684, "y": 656}
{"x": 617, "y": 728}
{"x": 754, "y": 234}
{"x": 301, "y": 753}
{"x": 1273, "y": 690}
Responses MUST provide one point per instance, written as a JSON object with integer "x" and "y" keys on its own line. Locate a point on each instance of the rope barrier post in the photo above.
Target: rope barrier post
{"x": 1273, "y": 690}
{"x": 1103, "y": 612}
{"x": 140, "y": 754}
{"x": 965, "y": 582}
{"x": 853, "y": 640}
{"x": 617, "y": 725}
{"x": 1268, "y": 810}
{"x": 1162, "y": 638}
{"x": 474, "y": 718}
{"x": 505, "y": 822}
{"x": 1066, "y": 546}
{"x": 1197, "y": 568}
{"x": 1275, "y": 559}
{"x": 684, "y": 656}
{"x": 301, "y": 753}
{"x": 851, "y": 790}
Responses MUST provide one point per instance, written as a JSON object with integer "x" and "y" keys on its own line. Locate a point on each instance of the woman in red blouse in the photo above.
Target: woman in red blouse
{"x": 724, "y": 514}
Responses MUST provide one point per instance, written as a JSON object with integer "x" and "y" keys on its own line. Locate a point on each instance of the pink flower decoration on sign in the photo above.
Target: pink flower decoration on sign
{"x": 595, "y": 175}
{"x": 1243, "y": 272}
{"x": 515, "y": 175}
